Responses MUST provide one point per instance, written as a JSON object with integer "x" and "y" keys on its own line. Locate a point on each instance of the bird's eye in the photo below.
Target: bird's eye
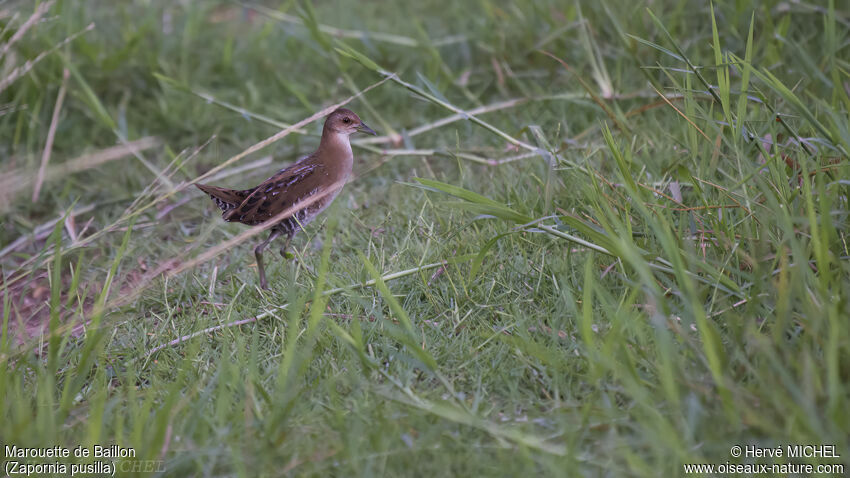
{"x": 346, "y": 120}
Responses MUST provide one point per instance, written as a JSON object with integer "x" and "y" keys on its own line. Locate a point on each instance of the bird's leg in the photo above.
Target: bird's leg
{"x": 258, "y": 253}
{"x": 287, "y": 255}
{"x": 290, "y": 256}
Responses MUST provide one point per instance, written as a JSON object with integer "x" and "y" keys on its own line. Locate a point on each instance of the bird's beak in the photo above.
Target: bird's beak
{"x": 365, "y": 129}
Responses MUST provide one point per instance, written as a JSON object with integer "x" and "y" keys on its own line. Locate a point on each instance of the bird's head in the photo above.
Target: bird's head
{"x": 344, "y": 121}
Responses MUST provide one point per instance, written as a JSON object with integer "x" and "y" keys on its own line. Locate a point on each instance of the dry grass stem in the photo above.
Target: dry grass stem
{"x": 51, "y": 134}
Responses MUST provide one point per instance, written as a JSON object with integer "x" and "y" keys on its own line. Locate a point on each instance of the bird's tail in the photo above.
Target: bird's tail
{"x": 225, "y": 199}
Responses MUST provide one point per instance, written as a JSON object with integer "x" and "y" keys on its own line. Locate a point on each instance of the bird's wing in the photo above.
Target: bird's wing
{"x": 278, "y": 192}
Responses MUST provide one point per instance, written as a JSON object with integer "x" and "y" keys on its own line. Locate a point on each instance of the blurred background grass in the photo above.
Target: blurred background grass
{"x": 700, "y": 155}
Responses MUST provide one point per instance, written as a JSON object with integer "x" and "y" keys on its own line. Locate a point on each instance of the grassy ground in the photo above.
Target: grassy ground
{"x": 633, "y": 257}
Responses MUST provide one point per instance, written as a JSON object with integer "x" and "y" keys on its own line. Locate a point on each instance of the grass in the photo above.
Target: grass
{"x": 592, "y": 239}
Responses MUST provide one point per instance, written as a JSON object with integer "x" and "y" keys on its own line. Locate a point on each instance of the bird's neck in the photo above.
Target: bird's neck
{"x": 335, "y": 151}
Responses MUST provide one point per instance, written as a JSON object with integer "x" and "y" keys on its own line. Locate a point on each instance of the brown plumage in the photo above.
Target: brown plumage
{"x": 328, "y": 167}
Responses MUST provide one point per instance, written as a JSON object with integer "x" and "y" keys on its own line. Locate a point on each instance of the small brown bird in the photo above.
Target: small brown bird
{"x": 328, "y": 167}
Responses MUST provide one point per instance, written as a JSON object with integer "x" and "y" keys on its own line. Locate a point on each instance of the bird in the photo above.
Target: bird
{"x": 322, "y": 172}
